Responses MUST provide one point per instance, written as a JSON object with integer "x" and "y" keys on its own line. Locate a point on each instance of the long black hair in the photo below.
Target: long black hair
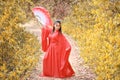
{"x": 60, "y": 30}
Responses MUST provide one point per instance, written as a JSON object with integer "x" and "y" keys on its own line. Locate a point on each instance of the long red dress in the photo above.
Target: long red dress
{"x": 55, "y": 62}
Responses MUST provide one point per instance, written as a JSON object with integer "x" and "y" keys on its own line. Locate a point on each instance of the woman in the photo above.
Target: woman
{"x": 57, "y": 48}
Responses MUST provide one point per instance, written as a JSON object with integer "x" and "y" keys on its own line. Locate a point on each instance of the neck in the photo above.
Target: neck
{"x": 56, "y": 30}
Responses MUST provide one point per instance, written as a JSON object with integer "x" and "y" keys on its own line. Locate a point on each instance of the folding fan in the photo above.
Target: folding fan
{"x": 43, "y": 16}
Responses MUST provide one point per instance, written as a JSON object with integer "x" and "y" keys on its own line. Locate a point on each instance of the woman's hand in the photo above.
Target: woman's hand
{"x": 48, "y": 41}
{"x": 67, "y": 48}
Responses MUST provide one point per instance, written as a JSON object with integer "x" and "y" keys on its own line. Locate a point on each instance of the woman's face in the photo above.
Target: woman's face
{"x": 57, "y": 26}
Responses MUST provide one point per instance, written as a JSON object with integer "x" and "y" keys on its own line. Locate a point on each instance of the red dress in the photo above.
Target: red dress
{"x": 55, "y": 62}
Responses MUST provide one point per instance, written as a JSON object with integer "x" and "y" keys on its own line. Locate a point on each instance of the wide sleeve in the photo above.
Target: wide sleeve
{"x": 45, "y": 33}
{"x": 65, "y": 49}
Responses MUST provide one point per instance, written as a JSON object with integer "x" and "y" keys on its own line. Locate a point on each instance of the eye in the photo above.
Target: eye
{"x": 57, "y": 25}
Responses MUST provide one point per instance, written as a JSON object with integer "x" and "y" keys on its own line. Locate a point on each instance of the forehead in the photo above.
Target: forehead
{"x": 57, "y": 23}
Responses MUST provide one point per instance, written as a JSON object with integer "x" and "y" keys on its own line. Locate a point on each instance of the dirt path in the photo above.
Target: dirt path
{"x": 82, "y": 72}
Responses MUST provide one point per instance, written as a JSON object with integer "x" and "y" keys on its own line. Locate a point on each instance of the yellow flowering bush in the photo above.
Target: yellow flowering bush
{"x": 95, "y": 24}
{"x": 19, "y": 50}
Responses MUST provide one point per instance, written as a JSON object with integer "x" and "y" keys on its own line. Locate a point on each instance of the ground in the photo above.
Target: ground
{"x": 82, "y": 71}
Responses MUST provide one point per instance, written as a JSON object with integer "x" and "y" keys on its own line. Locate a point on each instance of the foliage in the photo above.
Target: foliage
{"x": 19, "y": 50}
{"x": 58, "y": 8}
{"x": 95, "y": 24}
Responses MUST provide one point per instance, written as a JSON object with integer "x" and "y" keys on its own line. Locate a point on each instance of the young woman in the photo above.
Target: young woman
{"x": 57, "y": 50}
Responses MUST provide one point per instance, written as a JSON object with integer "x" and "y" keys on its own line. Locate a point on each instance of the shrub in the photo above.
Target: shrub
{"x": 19, "y": 50}
{"x": 95, "y": 25}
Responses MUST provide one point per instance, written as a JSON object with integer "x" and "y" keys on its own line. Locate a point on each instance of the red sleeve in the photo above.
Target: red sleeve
{"x": 45, "y": 33}
{"x": 65, "y": 49}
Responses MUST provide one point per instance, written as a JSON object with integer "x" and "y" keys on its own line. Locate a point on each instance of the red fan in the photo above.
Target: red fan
{"x": 42, "y": 15}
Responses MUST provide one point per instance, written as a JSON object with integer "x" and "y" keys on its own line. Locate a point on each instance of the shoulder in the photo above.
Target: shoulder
{"x": 62, "y": 36}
